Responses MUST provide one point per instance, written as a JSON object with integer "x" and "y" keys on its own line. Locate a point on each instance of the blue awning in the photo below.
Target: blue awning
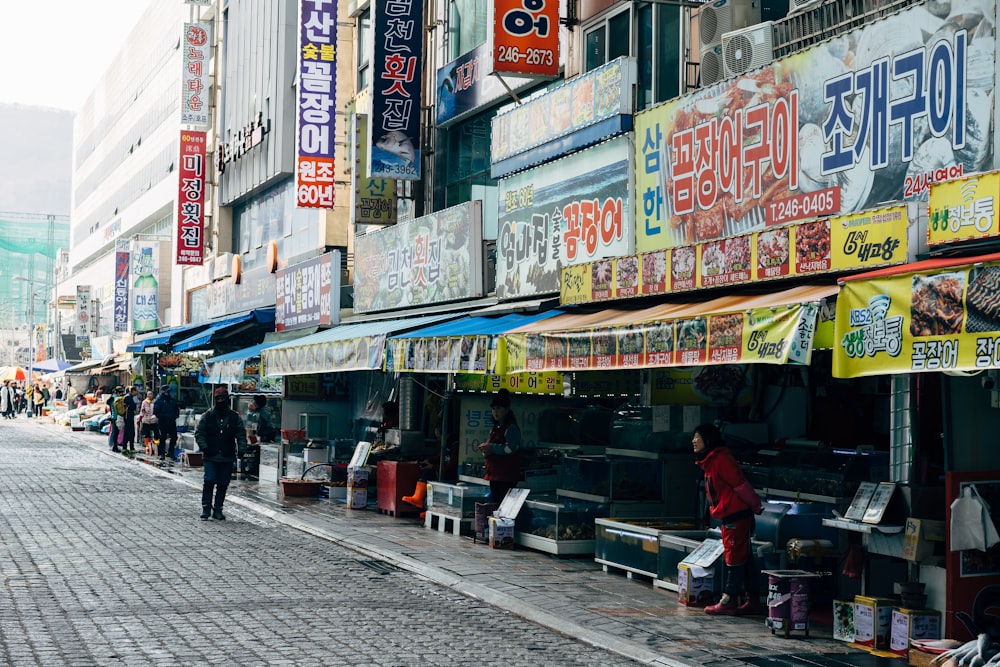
{"x": 204, "y": 338}
{"x": 164, "y": 337}
{"x": 465, "y": 345}
{"x": 349, "y": 347}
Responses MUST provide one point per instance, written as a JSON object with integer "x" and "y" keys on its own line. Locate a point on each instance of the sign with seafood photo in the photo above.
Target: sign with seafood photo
{"x": 754, "y": 336}
{"x": 874, "y": 115}
{"x": 453, "y": 354}
{"x": 935, "y": 320}
{"x": 431, "y": 259}
{"x": 863, "y": 240}
{"x": 964, "y": 209}
{"x": 567, "y": 212}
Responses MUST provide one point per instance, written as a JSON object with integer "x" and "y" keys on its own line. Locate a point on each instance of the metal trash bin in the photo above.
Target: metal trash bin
{"x": 788, "y": 600}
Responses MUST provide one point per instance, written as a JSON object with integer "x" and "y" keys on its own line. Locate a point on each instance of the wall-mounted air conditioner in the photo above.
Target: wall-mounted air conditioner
{"x": 747, "y": 49}
{"x": 724, "y": 16}
{"x": 712, "y": 69}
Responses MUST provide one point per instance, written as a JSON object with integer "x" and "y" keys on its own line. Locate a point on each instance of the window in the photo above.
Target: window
{"x": 364, "y": 42}
{"x": 651, "y": 33}
{"x": 466, "y": 26}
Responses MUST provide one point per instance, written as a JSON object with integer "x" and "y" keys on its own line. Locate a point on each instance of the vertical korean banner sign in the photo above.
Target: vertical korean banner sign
{"x": 191, "y": 200}
{"x": 145, "y": 286}
{"x": 317, "y": 96}
{"x": 122, "y": 257}
{"x": 194, "y": 77}
{"x": 81, "y": 322}
{"x": 396, "y": 65}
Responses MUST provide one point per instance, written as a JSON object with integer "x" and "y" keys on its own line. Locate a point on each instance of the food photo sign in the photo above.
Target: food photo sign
{"x": 875, "y": 115}
{"x": 945, "y": 319}
{"x": 864, "y": 240}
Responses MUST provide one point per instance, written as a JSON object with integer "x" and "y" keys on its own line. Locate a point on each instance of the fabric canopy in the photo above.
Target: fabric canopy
{"x": 773, "y": 328}
{"x": 228, "y": 368}
{"x": 51, "y": 365}
{"x": 206, "y": 337}
{"x": 348, "y": 347}
{"x": 933, "y": 315}
{"x": 188, "y": 334}
{"x": 84, "y": 367}
{"x": 465, "y": 345}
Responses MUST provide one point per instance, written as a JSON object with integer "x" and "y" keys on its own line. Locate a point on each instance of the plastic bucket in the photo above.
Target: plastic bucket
{"x": 788, "y": 599}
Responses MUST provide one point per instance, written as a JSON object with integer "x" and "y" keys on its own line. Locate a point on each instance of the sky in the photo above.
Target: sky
{"x": 54, "y": 52}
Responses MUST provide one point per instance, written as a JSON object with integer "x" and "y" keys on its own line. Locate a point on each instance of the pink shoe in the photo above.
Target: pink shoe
{"x": 723, "y": 608}
{"x": 750, "y": 608}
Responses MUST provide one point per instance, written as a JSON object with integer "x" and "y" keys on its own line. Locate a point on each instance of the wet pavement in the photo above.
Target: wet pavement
{"x": 572, "y": 596}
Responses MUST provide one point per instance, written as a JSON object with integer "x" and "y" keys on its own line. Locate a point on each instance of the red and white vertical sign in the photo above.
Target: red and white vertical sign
{"x": 317, "y": 100}
{"x": 191, "y": 200}
{"x": 194, "y": 77}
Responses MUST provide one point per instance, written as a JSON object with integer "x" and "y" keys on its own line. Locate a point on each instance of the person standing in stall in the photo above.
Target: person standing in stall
{"x": 502, "y": 448}
{"x": 733, "y": 502}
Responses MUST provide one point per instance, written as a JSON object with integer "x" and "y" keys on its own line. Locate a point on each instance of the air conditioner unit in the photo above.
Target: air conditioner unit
{"x": 712, "y": 69}
{"x": 724, "y": 16}
{"x": 747, "y": 49}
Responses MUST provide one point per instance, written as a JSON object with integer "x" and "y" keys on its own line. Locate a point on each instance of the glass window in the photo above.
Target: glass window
{"x": 595, "y": 53}
{"x": 466, "y": 26}
{"x": 364, "y": 40}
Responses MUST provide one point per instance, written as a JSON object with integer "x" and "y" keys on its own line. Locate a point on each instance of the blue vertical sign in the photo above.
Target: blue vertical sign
{"x": 397, "y": 65}
{"x": 123, "y": 253}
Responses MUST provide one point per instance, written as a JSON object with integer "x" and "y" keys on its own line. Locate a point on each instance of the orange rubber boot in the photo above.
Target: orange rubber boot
{"x": 419, "y": 496}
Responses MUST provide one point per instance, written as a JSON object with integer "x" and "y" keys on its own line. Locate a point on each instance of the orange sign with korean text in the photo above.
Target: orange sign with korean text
{"x": 526, "y": 37}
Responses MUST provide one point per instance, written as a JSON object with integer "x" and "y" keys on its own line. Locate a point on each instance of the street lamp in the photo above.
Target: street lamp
{"x": 31, "y": 338}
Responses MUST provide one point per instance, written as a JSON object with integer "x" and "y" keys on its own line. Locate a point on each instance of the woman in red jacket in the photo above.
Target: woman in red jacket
{"x": 733, "y": 502}
{"x": 502, "y": 449}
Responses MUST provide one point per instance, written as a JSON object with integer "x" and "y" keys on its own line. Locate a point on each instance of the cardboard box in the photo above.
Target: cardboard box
{"x": 872, "y": 621}
{"x": 501, "y": 533}
{"x": 910, "y": 624}
{"x": 695, "y": 585}
{"x": 501, "y": 524}
{"x": 919, "y": 537}
{"x": 843, "y": 620}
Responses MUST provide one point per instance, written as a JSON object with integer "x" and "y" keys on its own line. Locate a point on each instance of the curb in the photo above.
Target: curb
{"x": 504, "y": 601}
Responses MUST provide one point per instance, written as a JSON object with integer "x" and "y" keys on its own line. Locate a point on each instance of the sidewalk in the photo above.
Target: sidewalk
{"x": 572, "y": 596}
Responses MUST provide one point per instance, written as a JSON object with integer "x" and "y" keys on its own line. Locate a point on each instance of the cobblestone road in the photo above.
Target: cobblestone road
{"x": 104, "y": 563}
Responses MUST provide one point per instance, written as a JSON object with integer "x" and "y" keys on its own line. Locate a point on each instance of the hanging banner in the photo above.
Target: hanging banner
{"x": 308, "y": 294}
{"x": 40, "y": 347}
{"x": 191, "y": 200}
{"x": 374, "y": 198}
{"x": 146, "y": 288}
{"x": 454, "y": 354}
{"x": 526, "y": 37}
{"x": 864, "y": 240}
{"x": 352, "y": 354}
{"x": 394, "y": 140}
{"x": 432, "y": 259}
{"x": 81, "y": 320}
{"x": 316, "y": 101}
{"x": 196, "y": 54}
{"x": 566, "y": 212}
{"x": 122, "y": 257}
{"x": 947, "y": 319}
{"x": 758, "y": 336}
{"x": 964, "y": 209}
{"x": 877, "y": 114}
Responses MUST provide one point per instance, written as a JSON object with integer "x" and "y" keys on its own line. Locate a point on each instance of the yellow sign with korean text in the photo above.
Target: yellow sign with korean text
{"x": 548, "y": 383}
{"x": 964, "y": 209}
{"x": 945, "y": 319}
{"x": 574, "y": 284}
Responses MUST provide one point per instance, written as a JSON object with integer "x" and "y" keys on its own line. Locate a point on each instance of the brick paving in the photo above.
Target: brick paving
{"x": 571, "y": 596}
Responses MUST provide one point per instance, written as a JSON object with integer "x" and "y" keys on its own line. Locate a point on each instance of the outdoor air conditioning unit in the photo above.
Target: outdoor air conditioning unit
{"x": 711, "y": 66}
{"x": 747, "y": 49}
{"x": 724, "y": 16}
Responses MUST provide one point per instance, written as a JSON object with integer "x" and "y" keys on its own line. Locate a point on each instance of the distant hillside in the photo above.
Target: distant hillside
{"x": 36, "y": 159}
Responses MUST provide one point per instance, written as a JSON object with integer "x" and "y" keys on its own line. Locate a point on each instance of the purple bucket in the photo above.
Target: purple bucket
{"x": 788, "y": 599}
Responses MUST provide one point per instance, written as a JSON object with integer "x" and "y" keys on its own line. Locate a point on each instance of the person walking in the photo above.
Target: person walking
{"x": 38, "y": 398}
{"x": 116, "y": 406}
{"x": 167, "y": 411}
{"x": 221, "y": 436}
{"x": 502, "y": 449}
{"x": 131, "y": 407}
{"x": 147, "y": 423}
{"x": 6, "y": 400}
{"x": 733, "y": 502}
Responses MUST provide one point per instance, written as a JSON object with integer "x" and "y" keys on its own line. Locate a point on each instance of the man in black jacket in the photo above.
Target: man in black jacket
{"x": 221, "y": 437}
{"x": 167, "y": 411}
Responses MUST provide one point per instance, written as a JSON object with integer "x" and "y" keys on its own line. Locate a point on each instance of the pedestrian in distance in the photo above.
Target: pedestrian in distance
{"x": 6, "y": 400}
{"x": 167, "y": 411}
{"x": 221, "y": 436}
{"x": 116, "y": 406}
{"x": 131, "y": 407}
{"x": 502, "y": 448}
{"x": 147, "y": 421}
{"x": 733, "y": 502}
{"x": 38, "y": 400}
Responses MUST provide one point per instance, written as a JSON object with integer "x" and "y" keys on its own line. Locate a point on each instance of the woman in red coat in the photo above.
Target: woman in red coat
{"x": 733, "y": 502}
{"x": 502, "y": 449}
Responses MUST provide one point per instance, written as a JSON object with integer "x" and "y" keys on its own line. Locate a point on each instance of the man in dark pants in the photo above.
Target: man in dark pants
{"x": 167, "y": 411}
{"x": 221, "y": 436}
{"x": 131, "y": 408}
